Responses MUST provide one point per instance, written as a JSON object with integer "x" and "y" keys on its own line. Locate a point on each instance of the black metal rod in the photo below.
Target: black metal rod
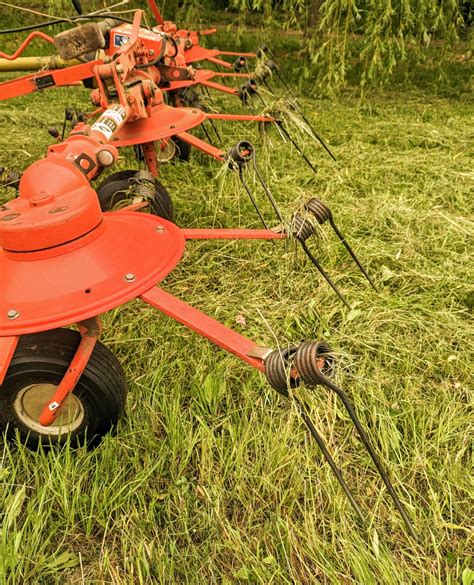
{"x": 324, "y": 274}
{"x": 303, "y": 410}
{"x": 298, "y": 148}
{"x": 301, "y": 113}
{"x": 352, "y": 253}
{"x": 365, "y": 440}
{"x": 252, "y": 199}
{"x": 214, "y": 127}
{"x": 267, "y": 190}
{"x": 267, "y": 85}
{"x": 261, "y": 99}
{"x": 206, "y": 133}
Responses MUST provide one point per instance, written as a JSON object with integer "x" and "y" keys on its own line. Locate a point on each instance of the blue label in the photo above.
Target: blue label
{"x": 120, "y": 40}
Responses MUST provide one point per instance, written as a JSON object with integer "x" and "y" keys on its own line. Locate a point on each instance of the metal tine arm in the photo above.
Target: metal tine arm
{"x": 303, "y": 410}
{"x": 324, "y": 274}
{"x": 373, "y": 455}
{"x": 323, "y": 213}
{"x": 214, "y": 127}
{"x": 273, "y": 66}
{"x": 252, "y": 198}
{"x": 302, "y": 229}
{"x": 296, "y": 145}
{"x": 268, "y": 193}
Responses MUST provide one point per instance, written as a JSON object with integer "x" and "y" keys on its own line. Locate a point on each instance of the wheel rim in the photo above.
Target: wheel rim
{"x": 166, "y": 151}
{"x": 30, "y": 401}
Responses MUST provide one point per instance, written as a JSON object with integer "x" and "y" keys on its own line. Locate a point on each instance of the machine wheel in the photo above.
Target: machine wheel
{"x": 38, "y": 365}
{"x": 188, "y": 98}
{"x": 183, "y": 149}
{"x": 118, "y": 187}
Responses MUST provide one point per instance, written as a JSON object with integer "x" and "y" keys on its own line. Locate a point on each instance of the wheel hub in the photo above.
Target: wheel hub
{"x": 30, "y": 401}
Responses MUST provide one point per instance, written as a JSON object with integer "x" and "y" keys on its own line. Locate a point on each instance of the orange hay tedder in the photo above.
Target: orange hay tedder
{"x": 65, "y": 261}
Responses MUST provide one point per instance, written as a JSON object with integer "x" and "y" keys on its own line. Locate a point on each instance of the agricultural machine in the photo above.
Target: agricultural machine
{"x": 64, "y": 262}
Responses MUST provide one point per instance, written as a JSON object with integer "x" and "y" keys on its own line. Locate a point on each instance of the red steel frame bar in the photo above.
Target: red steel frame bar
{"x": 220, "y": 62}
{"x": 231, "y": 234}
{"x": 156, "y": 12}
{"x": 90, "y": 330}
{"x": 219, "y": 86}
{"x": 206, "y": 326}
{"x": 7, "y": 349}
{"x": 201, "y": 145}
{"x": 234, "y": 54}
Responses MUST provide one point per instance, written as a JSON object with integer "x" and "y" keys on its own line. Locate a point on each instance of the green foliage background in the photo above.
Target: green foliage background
{"x": 339, "y": 41}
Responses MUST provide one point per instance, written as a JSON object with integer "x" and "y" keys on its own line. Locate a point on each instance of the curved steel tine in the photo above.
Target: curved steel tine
{"x": 365, "y": 440}
{"x": 352, "y": 253}
{"x": 204, "y": 129}
{"x": 252, "y": 198}
{"x": 298, "y": 148}
{"x": 214, "y": 127}
{"x": 301, "y": 113}
{"x": 303, "y": 410}
{"x": 266, "y": 189}
{"x": 324, "y": 274}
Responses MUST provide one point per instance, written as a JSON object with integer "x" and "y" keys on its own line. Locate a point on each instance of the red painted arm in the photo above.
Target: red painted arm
{"x": 206, "y": 326}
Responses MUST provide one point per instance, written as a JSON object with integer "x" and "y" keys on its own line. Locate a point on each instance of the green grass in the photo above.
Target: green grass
{"x": 211, "y": 477}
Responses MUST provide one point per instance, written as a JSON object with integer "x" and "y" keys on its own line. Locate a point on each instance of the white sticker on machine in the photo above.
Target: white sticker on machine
{"x": 110, "y": 120}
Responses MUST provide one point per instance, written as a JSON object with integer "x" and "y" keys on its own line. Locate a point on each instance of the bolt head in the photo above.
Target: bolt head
{"x": 129, "y": 277}
{"x": 105, "y": 158}
{"x": 160, "y": 228}
{"x": 13, "y": 314}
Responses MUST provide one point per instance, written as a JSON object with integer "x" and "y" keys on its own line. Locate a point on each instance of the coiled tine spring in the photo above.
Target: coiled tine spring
{"x": 323, "y": 213}
{"x": 242, "y": 153}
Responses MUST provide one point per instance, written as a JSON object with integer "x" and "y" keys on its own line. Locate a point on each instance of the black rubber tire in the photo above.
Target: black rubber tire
{"x": 183, "y": 149}
{"x": 188, "y": 99}
{"x": 115, "y": 189}
{"x": 43, "y": 358}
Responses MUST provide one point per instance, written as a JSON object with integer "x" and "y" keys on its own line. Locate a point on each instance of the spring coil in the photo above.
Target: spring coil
{"x": 278, "y": 366}
{"x": 239, "y": 64}
{"x": 301, "y": 228}
{"x": 144, "y": 185}
{"x": 242, "y": 152}
{"x": 9, "y": 178}
{"x": 308, "y": 355}
{"x": 319, "y": 209}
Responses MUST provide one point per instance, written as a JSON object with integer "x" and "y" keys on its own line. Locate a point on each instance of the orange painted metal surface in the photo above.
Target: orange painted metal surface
{"x": 164, "y": 122}
{"x": 133, "y": 252}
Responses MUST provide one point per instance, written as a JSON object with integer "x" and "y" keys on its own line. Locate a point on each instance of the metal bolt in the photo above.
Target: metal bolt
{"x": 151, "y": 52}
{"x": 105, "y": 158}
{"x": 10, "y": 217}
{"x": 58, "y": 210}
{"x": 129, "y": 277}
{"x": 13, "y": 314}
{"x": 160, "y": 228}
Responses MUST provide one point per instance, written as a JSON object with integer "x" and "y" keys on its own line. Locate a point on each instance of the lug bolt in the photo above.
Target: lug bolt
{"x": 13, "y": 314}
{"x": 129, "y": 277}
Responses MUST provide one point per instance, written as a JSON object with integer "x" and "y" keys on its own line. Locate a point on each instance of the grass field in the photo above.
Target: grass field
{"x": 211, "y": 477}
